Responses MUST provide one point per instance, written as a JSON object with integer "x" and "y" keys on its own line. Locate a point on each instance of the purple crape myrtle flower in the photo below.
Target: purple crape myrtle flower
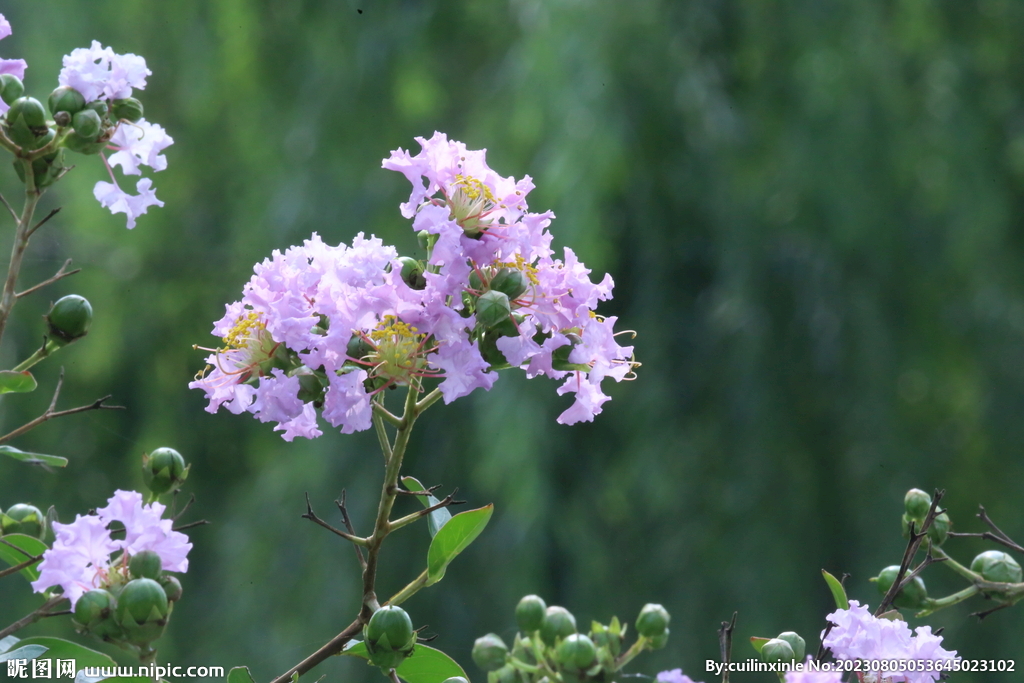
{"x": 323, "y": 328}
{"x": 15, "y": 67}
{"x": 81, "y": 557}
{"x": 100, "y": 74}
{"x": 673, "y": 676}
{"x": 858, "y": 634}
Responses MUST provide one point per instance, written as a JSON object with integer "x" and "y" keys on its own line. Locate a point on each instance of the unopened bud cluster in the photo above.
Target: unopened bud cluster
{"x": 788, "y": 646}
{"x": 549, "y": 647}
{"x": 917, "y": 503}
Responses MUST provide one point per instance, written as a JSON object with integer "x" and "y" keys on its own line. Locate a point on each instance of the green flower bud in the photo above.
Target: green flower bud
{"x": 23, "y": 519}
{"x": 510, "y": 282}
{"x": 389, "y": 637}
{"x": 492, "y": 308}
{"x": 423, "y": 239}
{"x": 939, "y": 529}
{"x": 94, "y": 613}
{"x": 77, "y": 143}
{"x": 145, "y": 565}
{"x": 11, "y": 88}
{"x": 608, "y": 637}
{"x": 412, "y": 272}
{"x": 27, "y": 109}
{"x": 100, "y": 107}
{"x": 522, "y": 649}
{"x": 488, "y": 345}
{"x": 65, "y": 98}
{"x": 558, "y": 623}
{"x": 129, "y": 109}
{"x": 142, "y": 610}
{"x": 87, "y": 124}
{"x": 164, "y": 470}
{"x": 577, "y": 652}
{"x": 506, "y": 674}
{"x": 997, "y": 566}
{"x": 69, "y": 319}
{"x": 658, "y": 642}
{"x": 358, "y": 347}
{"x": 311, "y": 388}
{"x": 917, "y": 504}
{"x": 171, "y": 586}
{"x": 776, "y": 651}
{"x": 475, "y": 283}
{"x": 796, "y": 642}
{"x": 490, "y": 652}
{"x": 653, "y": 621}
{"x": 530, "y": 613}
{"x": 912, "y": 596}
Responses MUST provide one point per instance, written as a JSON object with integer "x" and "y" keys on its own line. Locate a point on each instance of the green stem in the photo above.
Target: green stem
{"x": 963, "y": 571}
{"x": 941, "y": 603}
{"x": 387, "y": 500}
{"x": 414, "y": 586}
{"x": 21, "y": 237}
{"x": 43, "y": 352}
{"x": 428, "y": 400}
{"x": 630, "y": 654}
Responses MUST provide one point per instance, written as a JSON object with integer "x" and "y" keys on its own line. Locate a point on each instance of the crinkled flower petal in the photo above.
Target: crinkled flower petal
{"x": 673, "y": 676}
{"x": 139, "y": 144}
{"x": 98, "y": 72}
{"x": 114, "y": 198}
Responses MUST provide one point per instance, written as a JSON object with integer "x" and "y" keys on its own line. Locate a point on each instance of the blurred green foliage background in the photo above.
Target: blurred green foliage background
{"x": 812, "y": 211}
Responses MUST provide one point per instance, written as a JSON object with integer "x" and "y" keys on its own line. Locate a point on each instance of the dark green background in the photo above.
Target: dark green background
{"x": 812, "y": 212}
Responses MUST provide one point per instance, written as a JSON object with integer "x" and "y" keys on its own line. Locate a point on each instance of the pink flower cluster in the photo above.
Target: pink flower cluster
{"x": 349, "y": 319}
{"x": 80, "y": 559}
{"x": 857, "y": 634}
{"x": 15, "y": 67}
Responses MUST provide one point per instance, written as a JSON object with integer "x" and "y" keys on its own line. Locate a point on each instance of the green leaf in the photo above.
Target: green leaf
{"x": 240, "y": 674}
{"x": 452, "y": 539}
{"x": 424, "y": 665}
{"x": 65, "y": 649}
{"x": 23, "y": 652}
{"x": 7, "y": 643}
{"x": 17, "y": 382}
{"x": 758, "y": 643}
{"x": 33, "y": 458}
{"x": 437, "y": 518}
{"x": 27, "y": 547}
{"x": 838, "y": 592}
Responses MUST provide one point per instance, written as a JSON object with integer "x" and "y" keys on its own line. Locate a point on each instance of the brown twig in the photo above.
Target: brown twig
{"x": 331, "y": 648}
{"x": 347, "y": 521}
{"x": 51, "y": 412}
{"x": 427, "y": 492}
{"x": 184, "y": 509}
{"x": 191, "y": 525}
{"x": 32, "y": 617}
{"x": 18, "y": 567}
{"x": 913, "y": 545}
{"x": 982, "y": 615}
{"x": 10, "y": 208}
{"x": 53, "y": 212}
{"x": 59, "y": 275}
{"x": 725, "y": 644}
{"x": 311, "y": 516}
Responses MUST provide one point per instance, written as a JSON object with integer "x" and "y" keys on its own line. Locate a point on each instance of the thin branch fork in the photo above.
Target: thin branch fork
{"x": 53, "y": 212}
{"x": 916, "y": 537}
{"x": 409, "y": 519}
{"x": 59, "y": 275}
{"x": 192, "y": 525}
{"x": 311, "y": 516}
{"x": 32, "y": 559}
{"x": 428, "y": 492}
{"x": 982, "y": 615}
{"x": 52, "y": 412}
{"x": 725, "y": 632}
{"x": 347, "y": 521}
{"x": 32, "y": 617}
{"x": 997, "y": 534}
{"x": 10, "y": 208}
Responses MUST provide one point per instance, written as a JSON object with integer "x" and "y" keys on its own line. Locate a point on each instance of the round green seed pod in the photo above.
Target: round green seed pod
{"x": 76, "y": 143}
{"x": 653, "y": 621}
{"x": 912, "y": 596}
{"x": 776, "y": 651}
{"x": 917, "y": 503}
{"x": 142, "y": 610}
{"x": 129, "y": 109}
{"x": 69, "y": 319}
{"x": 939, "y": 529}
{"x": 67, "y": 99}
{"x": 87, "y": 124}
{"x": 558, "y": 623}
{"x": 530, "y": 613}
{"x": 172, "y": 587}
{"x": 163, "y": 470}
{"x": 22, "y": 518}
{"x": 100, "y": 107}
{"x": 490, "y": 652}
{"x": 796, "y": 642}
{"x": 997, "y": 566}
{"x": 94, "y": 613}
{"x": 11, "y": 88}
{"x": 492, "y": 308}
{"x": 28, "y": 109}
{"x": 576, "y": 652}
{"x": 389, "y": 637}
{"x": 510, "y": 282}
{"x": 145, "y": 565}
{"x": 658, "y": 642}
{"x": 412, "y": 273}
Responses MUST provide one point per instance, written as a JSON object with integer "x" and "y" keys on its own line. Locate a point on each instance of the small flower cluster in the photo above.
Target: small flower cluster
{"x": 92, "y": 110}
{"x": 330, "y": 327}
{"x": 857, "y": 634}
{"x": 85, "y": 556}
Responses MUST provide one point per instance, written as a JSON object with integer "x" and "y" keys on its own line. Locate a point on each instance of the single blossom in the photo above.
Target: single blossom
{"x": 857, "y": 634}
{"x": 99, "y": 73}
{"x": 139, "y": 144}
{"x": 112, "y": 197}
{"x": 84, "y": 555}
